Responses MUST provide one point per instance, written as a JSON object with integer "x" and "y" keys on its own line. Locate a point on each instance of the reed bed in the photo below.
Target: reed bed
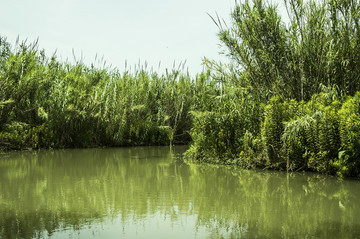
{"x": 288, "y": 100}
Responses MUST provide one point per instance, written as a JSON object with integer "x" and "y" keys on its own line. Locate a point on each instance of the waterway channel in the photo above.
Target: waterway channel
{"x": 150, "y": 192}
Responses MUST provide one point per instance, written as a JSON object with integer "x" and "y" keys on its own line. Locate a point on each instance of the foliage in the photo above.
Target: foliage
{"x": 300, "y": 79}
{"x": 288, "y": 100}
{"x": 226, "y": 129}
{"x": 46, "y": 103}
{"x": 349, "y": 153}
{"x": 319, "y": 135}
{"x": 320, "y": 46}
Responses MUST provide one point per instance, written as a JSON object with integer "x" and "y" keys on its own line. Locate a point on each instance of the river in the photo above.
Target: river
{"x": 149, "y": 192}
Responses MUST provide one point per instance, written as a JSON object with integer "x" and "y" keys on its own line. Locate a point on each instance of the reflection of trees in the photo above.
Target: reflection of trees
{"x": 53, "y": 190}
{"x": 58, "y": 189}
{"x": 273, "y": 205}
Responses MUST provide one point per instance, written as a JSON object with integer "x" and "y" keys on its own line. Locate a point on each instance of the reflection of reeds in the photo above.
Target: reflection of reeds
{"x": 72, "y": 189}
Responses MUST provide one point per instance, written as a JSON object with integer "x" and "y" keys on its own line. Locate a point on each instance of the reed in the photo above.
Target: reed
{"x": 288, "y": 100}
{"x": 47, "y": 103}
{"x": 281, "y": 102}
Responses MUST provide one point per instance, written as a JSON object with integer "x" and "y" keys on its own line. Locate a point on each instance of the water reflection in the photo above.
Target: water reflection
{"x": 147, "y": 192}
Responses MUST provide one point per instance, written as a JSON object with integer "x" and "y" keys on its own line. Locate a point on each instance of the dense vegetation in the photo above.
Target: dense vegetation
{"x": 46, "y": 103}
{"x": 288, "y": 100}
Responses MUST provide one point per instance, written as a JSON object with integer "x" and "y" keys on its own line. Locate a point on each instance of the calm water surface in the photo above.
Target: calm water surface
{"x": 149, "y": 192}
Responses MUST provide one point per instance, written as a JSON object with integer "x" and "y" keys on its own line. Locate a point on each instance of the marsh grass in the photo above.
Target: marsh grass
{"x": 47, "y": 103}
{"x": 288, "y": 100}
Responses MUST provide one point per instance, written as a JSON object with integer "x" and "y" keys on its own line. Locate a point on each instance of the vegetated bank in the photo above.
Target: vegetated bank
{"x": 288, "y": 101}
{"x": 45, "y": 103}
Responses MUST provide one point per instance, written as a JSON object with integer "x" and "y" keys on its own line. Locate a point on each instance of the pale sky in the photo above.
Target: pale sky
{"x": 117, "y": 30}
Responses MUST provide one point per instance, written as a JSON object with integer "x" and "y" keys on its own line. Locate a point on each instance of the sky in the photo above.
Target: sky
{"x": 122, "y": 33}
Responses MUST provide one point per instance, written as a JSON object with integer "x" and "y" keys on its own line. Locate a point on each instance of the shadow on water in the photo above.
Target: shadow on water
{"x": 149, "y": 192}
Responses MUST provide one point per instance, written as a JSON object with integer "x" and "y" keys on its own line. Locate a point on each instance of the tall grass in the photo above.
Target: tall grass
{"x": 319, "y": 46}
{"x": 288, "y": 99}
{"x": 47, "y": 103}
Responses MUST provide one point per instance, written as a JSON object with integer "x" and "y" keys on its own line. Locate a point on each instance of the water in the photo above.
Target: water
{"x": 149, "y": 192}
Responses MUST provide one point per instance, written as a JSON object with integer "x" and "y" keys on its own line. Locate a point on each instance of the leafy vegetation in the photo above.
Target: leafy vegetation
{"x": 46, "y": 103}
{"x": 288, "y": 100}
{"x": 318, "y": 47}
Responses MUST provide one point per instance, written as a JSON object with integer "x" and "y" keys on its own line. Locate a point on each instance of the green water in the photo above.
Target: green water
{"x": 149, "y": 192}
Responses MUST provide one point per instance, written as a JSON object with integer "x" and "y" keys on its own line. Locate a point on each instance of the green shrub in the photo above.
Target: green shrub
{"x": 272, "y": 130}
{"x": 348, "y": 162}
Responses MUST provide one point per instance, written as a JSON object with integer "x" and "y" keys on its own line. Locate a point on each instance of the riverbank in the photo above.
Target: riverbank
{"x": 45, "y": 103}
{"x": 321, "y": 135}
{"x": 49, "y": 104}
{"x": 288, "y": 100}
